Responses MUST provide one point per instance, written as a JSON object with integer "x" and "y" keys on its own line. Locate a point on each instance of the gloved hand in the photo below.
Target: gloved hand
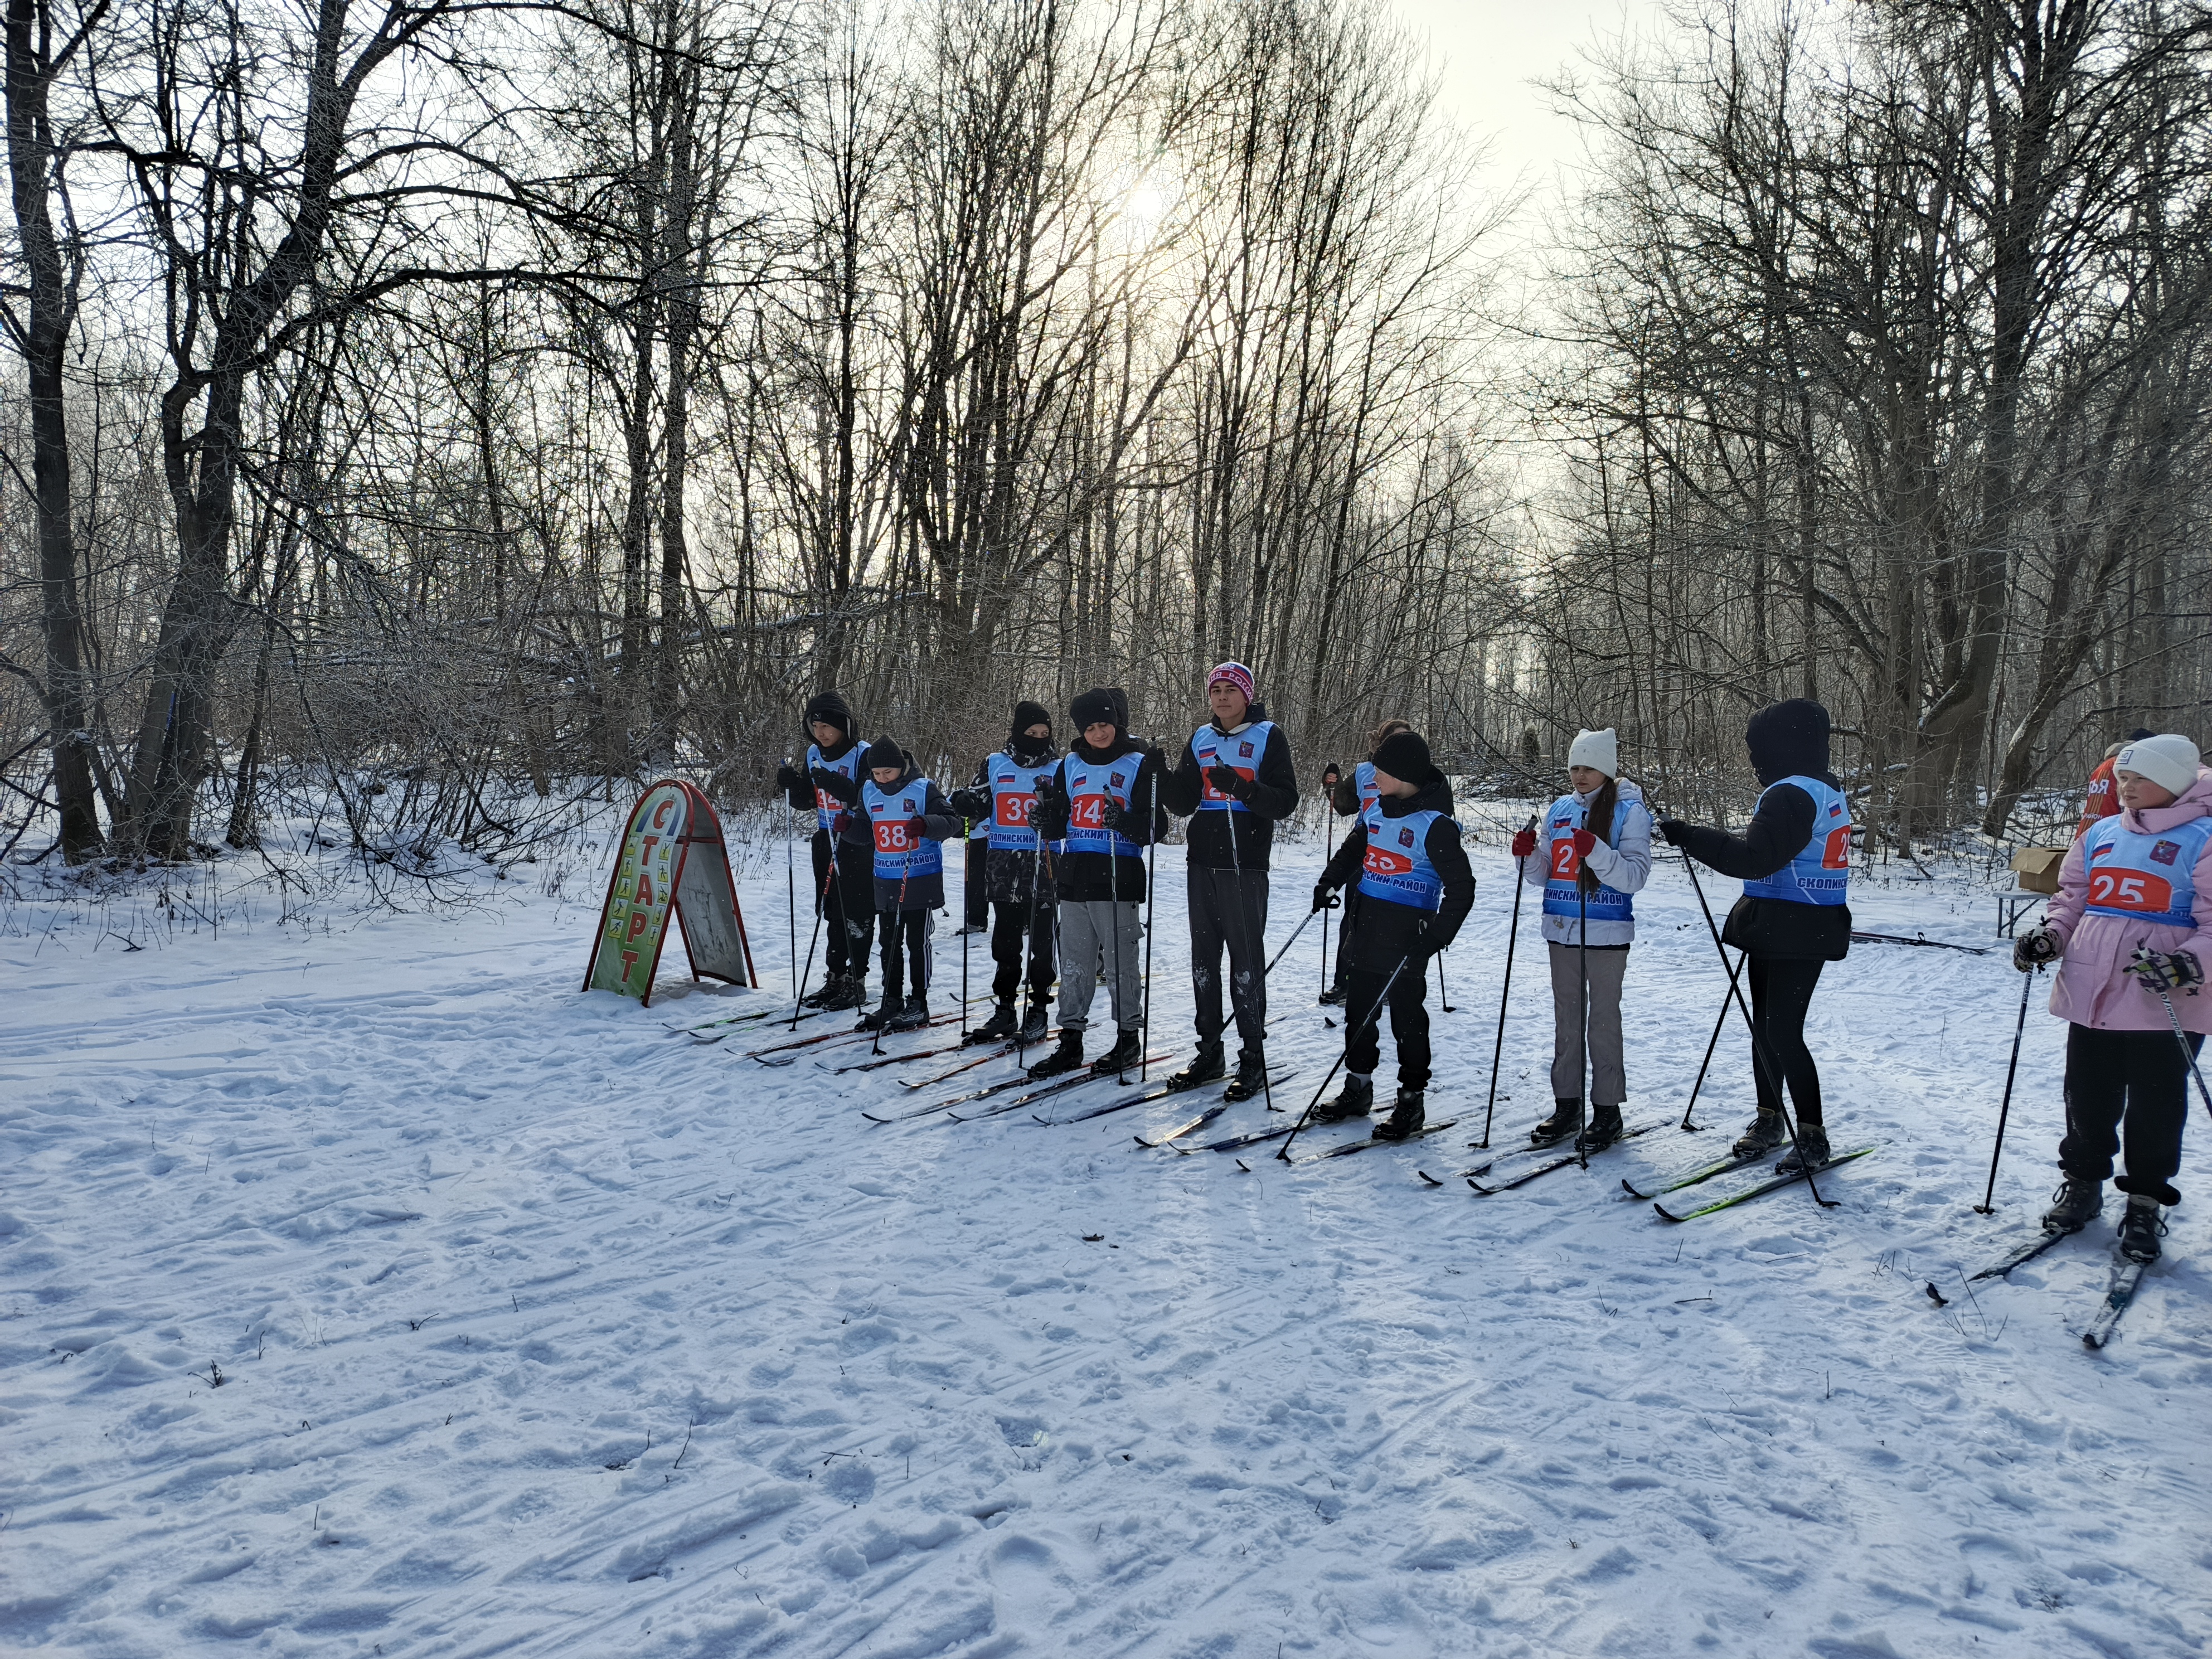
{"x": 835, "y": 784}
{"x": 2038, "y": 945}
{"x": 1113, "y": 815}
{"x": 1673, "y": 832}
{"x": 2175, "y": 970}
{"x": 917, "y": 830}
{"x": 1049, "y": 793}
{"x": 788, "y": 778}
{"x": 1584, "y": 841}
{"x": 1524, "y": 842}
{"x": 1229, "y": 781}
{"x": 1323, "y": 896}
{"x": 972, "y": 803}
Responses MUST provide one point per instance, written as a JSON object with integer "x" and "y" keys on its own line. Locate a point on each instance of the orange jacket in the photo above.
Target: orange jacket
{"x": 2103, "y": 800}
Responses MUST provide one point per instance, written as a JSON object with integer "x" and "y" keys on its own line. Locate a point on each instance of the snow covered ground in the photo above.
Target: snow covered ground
{"x": 541, "y": 1329}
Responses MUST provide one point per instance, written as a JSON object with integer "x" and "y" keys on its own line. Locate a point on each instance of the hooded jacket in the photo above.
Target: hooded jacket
{"x": 2095, "y": 988}
{"x": 1273, "y": 794}
{"x": 1785, "y": 739}
{"x": 1387, "y": 932}
{"x": 921, "y": 892}
{"x": 830, "y": 708}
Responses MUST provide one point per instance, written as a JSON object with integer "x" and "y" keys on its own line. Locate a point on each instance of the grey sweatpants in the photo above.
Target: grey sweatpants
{"x": 1609, "y": 1086}
{"x": 1096, "y": 944}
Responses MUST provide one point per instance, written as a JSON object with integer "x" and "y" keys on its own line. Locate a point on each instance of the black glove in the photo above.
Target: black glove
{"x": 788, "y": 778}
{"x": 1674, "y": 832}
{"x": 917, "y": 831}
{"x": 835, "y": 784}
{"x": 973, "y": 804}
{"x": 1229, "y": 781}
{"x": 2038, "y": 945}
{"x": 1113, "y": 815}
{"x": 1323, "y": 897}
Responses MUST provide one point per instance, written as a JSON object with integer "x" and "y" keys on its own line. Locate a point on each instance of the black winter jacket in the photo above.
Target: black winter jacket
{"x": 1272, "y": 795}
{"x": 1084, "y": 877}
{"x": 1387, "y": 932}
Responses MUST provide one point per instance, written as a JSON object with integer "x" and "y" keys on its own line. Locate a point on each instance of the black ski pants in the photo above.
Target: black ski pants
{"x": 1229, "y": 909}
{"x": 2135, "y": 1078}
{"x": 836, "y": 957}
{"x": 906, "y": 946}
{"x": 1007, "y": 931}
{"x": 1409, "y": 1023}
{"x": 974, "y": 889}
{"x": 857, "y": 876}
{"x": 1781, "y": 992}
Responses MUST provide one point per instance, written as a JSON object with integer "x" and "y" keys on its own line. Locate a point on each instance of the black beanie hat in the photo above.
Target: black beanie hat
{"x": 829, "y": 708}
{"x": 1027, "y": 714}
{"x": 1787, "y": 739}
{"x": 1405, "y": 755}
{"x": 884, "y": 752}
{"x": 1100, "y": 703}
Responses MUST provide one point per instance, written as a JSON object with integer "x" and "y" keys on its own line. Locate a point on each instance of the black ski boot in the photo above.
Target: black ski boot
{"x": 1406, "y": 1117}
{"x": 1034, "y": 1021}
{"x": 1332, "y": 997}
{"x": 1128, "y": 1048}
{"x": 851, "y": 992}
{"x": 997, "y": 1029}
{"x": 1068, "y": 1057}
{"x": 1604, "y": 1129}
{"x": 1762, "y": 1135}
{"x": 1812, "y": 1148}
{"x": 912, "y": 1017}
{"x": 2141, "y": 1228}
{"x": 820, "y": 996}
{"x": 1251, "y": 1077}
{"x": 1207, "y": 1063}
{"x": 2073, "y": 1205}
{"x": 1357, "y": 1101}
{"x": 1566, "y": 1117}
{"x": 880, "y": 1020}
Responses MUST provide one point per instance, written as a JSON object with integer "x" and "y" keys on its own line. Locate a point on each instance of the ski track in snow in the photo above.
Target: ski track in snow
{"x": 460, "y": 1239}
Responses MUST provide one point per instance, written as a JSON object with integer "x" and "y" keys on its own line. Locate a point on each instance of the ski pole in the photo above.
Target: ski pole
{"x": 1113, "y": 886}
{"x": 1512, "y": 933}
{"x": 1324, "y": 954}
{"x": 1244, "y": 926}
{"x": 1349, "y": 1037}
{"x": 1713, "y": 1042}
{"x": 964, "y": 828}
{"x": 790, "y": 900}
{"x": 1759, "y": 1053}
{"x": 1332, "y": 903}
{"x": 820, "y": 903}
{"x": 1586, "y": 1061}
{"x": 2004, "y": 1108}
{"x": 1443, "y": 995}
{"x": 2188, "y": 1054}
{"x": 1152, "y": 893}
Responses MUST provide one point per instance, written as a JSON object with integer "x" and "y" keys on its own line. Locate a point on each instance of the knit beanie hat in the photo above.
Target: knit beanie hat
{"x": 2168, "y": 760}
{"x": 1600, "y": 750}
{"x": 1236, "y": 673}
{"x": 829, "y": 708}
{"x": 1027, "y": 714}
{"x": 884, "y": 752}
{"x": 1098, "y": 705}
{"x": 1405, "y": 755}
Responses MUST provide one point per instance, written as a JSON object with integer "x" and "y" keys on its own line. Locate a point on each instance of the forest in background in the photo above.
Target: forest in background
{"x": 430, "y": 404}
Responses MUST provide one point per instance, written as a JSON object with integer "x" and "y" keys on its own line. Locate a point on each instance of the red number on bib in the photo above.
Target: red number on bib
{"x": 891, "y": 838}
{"x": 1088, "y": 812}
{"x": 2130, "y": 890}
{"x": 1566, "y": 863}
{"x": 1838, "y": 855}
{"x": 1382, "y": 861}
{"x": 1013, "y": 811}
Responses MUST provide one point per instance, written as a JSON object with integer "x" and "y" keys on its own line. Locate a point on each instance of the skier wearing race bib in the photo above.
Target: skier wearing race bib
{"x": 1591, "y": 855}
{"x": 1098, "y": 810}
{"x": 1002, "y": 801}
{"x": 2138, "y": 881}
{"x": 1351, "y": 796}
{"x": 1794, "y": 859}
{"x": 906, "y": 817}
{"x": 1233, "y": 782}
{"x": 834, "y": 754}
{"x": 1411, "y": 888}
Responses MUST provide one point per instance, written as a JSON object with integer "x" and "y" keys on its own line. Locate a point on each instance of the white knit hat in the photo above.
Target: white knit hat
{"x": 2168, "y": 760}
{"x": 1601, "y": 750}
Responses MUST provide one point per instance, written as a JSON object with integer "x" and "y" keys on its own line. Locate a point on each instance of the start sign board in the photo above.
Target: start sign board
{"x": 671, "y": 862}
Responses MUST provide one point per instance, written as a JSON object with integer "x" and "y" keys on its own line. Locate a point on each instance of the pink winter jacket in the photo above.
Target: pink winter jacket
{"x": 2093, "y": 986}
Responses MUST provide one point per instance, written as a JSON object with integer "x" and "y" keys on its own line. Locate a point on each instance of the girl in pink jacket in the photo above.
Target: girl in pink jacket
{"x": 2139, "y": 881}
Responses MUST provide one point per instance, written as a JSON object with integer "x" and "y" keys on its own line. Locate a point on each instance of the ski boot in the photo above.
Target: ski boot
{"x": 1566, "y": 1117}
{"x": 1128, "y": 1048}
{"x": 1034, "y": 1021}
{"x": 2073, "y": 1205}
{"x": 1332, "y": 997}
{"x": 912, "y": 1017}
{"x": 1812, "y": 1148}
{"x": 1761, "y": 1135}
{"x": 820, "y": 996}
{"x": 1357, "y": 1101}
{"x": 1068, "y": 1057}
{"x": 1603, "y": 1130}
{"x": 1251, "y": 1077}
{"x": 1207, "y": 1063}
{"x": 2141, "y": 1228}
{"x": 884, "y": 1013}
{"x": 997, "y": 1029}
{"x": 852, "y": 991}
{"x": 1406, "y": 1117}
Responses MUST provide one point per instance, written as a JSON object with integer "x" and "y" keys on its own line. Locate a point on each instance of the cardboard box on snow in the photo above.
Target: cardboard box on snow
{"x": 2037, "y": 868}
